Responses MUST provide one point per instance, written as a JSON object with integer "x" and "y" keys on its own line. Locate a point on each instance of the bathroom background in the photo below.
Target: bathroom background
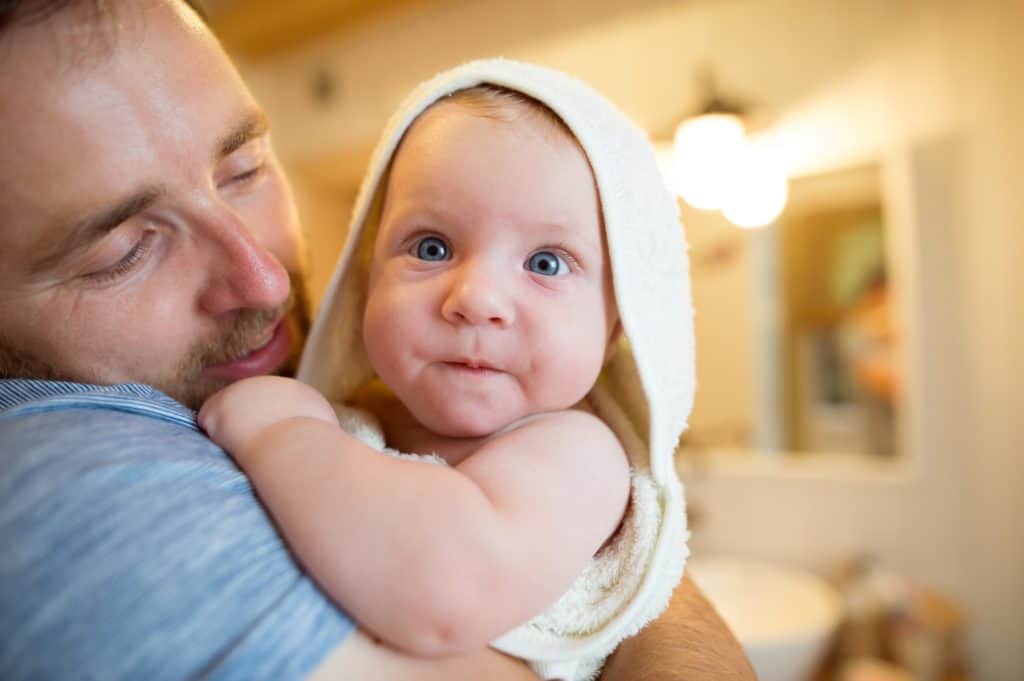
{"x": 858, "y": 351}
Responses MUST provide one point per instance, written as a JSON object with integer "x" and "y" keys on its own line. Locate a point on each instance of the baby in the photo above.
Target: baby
{"x": 488, "y": 315}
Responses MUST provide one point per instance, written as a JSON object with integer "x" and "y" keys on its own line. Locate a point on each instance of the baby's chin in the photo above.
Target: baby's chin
{"x": 465, "y": 424}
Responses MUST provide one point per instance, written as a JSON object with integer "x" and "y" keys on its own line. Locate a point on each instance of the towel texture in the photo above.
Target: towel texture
{"x": 645, "y": 391}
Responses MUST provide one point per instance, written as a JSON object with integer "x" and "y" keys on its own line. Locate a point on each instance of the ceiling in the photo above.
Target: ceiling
{"x": 256, "y": 29}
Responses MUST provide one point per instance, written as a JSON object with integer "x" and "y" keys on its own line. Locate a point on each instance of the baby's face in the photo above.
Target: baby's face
{"x": 490, "y": 293}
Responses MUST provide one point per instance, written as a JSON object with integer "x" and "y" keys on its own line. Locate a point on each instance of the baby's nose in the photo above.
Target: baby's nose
{"x": 478, "y": 297}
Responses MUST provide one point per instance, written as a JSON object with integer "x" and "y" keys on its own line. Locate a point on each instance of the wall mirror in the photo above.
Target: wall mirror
{"x": 798, "y": 340}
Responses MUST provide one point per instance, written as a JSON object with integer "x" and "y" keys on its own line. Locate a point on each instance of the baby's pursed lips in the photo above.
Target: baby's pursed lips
{"x": 473, "y": 364}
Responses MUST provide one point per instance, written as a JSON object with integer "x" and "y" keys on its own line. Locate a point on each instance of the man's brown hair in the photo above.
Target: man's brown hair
{"x": 13, "y": 12}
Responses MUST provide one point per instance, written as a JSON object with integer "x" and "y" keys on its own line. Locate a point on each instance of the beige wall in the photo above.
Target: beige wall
{"x": 930, "y": 88}
{"x": 324, "y": 209}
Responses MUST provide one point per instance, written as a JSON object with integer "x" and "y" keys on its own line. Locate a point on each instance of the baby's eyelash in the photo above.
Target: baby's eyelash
{"x": 565, "y": 250}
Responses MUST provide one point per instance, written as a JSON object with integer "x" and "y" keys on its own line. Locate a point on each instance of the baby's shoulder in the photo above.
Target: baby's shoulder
{"x": 570, "y": 430}
{"x": 557, "y": 446}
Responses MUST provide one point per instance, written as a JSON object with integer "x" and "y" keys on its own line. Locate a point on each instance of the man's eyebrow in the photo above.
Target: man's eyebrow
{"x": 95, "y": 227}
{"x": 252, "y": 125}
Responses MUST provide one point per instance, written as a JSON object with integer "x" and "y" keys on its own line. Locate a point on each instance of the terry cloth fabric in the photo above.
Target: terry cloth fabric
{"x": 645, "y": 391}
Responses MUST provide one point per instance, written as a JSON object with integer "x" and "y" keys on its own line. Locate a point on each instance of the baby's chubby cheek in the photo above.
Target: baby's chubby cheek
{"x": 387, "y": 347}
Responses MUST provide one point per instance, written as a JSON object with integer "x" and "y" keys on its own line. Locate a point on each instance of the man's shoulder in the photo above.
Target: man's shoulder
{"x": 100, "y": 446}
{"x": 125, "y": 528}
{"x": 573, "y": 423}
{"x": 20, "y": 397}
{"x": 53, "y": 428}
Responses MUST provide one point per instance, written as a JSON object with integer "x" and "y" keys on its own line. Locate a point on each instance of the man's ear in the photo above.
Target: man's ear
{"x": 613, "y": 340}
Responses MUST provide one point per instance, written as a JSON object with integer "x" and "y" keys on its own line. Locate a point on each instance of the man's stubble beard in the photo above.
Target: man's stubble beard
{"x": 190, "y": 385}
{"x": 188, "y": 382}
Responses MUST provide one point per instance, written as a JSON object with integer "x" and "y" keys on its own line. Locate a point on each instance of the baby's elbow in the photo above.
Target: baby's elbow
{"x": 434, "y": 639}
{"x": 445, "y": 620}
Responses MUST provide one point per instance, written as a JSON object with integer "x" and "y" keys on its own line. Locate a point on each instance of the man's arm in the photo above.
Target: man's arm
{"x": 688, "y": 641}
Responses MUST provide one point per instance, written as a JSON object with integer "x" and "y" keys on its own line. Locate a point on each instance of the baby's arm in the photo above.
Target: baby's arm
{"x": 434, "y": 560}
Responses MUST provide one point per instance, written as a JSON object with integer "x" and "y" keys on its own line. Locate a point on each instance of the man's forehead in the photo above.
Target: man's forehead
{"x": 74, "y": 137}
{"x": 90, "y": 42}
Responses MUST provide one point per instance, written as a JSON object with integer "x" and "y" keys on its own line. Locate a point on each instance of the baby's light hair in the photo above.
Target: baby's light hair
{"x": 504, "y": 104}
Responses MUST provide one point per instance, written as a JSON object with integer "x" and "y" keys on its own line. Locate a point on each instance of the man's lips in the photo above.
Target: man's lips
{"x": 261, "y": 361}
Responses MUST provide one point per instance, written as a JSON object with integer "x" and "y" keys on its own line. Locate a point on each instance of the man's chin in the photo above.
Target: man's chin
{"x": 191, "y": 393}
{"x": 278, "y": 357}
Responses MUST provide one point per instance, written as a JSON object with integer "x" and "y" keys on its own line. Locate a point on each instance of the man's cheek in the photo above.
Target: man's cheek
{"x": 278, "y": 225}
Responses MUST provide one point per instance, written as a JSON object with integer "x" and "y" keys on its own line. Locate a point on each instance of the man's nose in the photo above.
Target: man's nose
{"x": 479, "y": 296}
{"x": 244, "y": 274}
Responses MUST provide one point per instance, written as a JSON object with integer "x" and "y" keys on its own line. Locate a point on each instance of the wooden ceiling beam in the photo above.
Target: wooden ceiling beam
{"x": 255, "y": 29}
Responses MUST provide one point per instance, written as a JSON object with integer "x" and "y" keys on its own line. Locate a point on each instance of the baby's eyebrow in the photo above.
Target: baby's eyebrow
{"x": 565, "y": 233}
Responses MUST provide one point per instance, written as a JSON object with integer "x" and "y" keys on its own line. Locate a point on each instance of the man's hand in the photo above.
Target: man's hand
{"x": 235, "y": 416}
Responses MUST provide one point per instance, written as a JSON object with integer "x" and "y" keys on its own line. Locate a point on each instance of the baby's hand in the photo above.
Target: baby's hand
{"x": 236, "y": 415}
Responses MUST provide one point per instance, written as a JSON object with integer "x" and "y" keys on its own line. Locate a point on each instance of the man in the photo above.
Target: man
{"x": 149, "y": 238}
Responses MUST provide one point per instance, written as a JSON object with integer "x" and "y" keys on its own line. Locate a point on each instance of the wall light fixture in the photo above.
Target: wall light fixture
{"x": 714, "y": 167}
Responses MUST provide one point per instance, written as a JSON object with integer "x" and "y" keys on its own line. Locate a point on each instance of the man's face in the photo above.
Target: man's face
{"x": 490, "y": 294}
{"x": 147, "y": 233}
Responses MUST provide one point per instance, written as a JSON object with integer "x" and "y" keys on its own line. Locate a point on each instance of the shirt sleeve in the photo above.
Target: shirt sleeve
{"x": 133, "y": 548}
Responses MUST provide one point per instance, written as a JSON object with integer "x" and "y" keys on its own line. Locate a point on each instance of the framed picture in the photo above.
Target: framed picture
{"x": 839, "y": 346}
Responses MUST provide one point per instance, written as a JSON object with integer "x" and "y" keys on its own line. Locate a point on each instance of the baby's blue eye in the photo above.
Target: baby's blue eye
{"x": 431, "y": 248}
{"x": 547, "y": 263}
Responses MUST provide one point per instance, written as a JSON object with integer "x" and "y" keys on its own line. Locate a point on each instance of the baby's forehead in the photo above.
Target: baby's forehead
{"x": 431, "y": 130}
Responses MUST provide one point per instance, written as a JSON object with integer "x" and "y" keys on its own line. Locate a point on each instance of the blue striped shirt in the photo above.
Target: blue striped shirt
{"x": 133, "y": 548}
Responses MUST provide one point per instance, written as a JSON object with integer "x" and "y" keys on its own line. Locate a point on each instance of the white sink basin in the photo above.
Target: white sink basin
{"x": 783, "y": 618}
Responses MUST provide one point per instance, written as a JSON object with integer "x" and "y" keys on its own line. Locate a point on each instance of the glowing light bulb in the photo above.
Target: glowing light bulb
{"x": 705, "y": 154}
{"x": 758, "y": 192}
